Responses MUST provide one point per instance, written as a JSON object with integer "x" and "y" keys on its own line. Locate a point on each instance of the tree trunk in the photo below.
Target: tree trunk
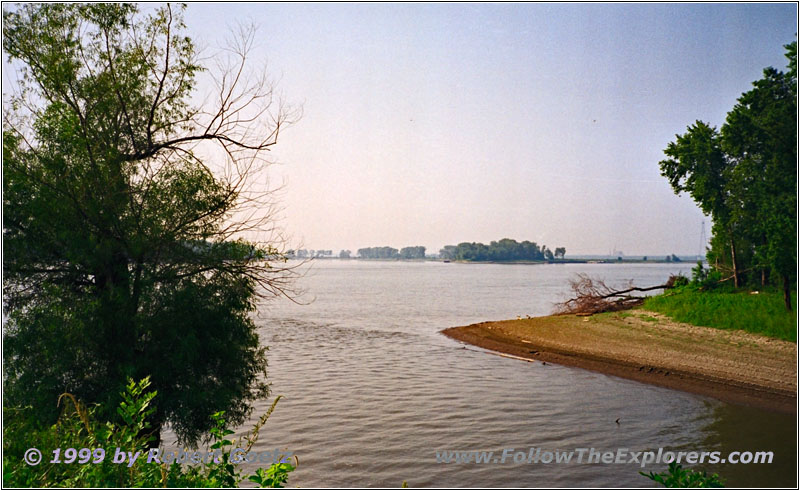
{"x": 733, "y": 260}
{"x": 763, "y": 277}
{"x": 787, "y": 293}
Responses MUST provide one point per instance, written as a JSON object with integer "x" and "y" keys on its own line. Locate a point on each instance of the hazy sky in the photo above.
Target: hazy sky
{"x": 433, "y": 124}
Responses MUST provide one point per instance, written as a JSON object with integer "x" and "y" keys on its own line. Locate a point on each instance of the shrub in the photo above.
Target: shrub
{"x": 78, "y": 428}
{"x": 678, "y": 477}
{"x": 699, "y": 273}
{"x": 678, "y": 281}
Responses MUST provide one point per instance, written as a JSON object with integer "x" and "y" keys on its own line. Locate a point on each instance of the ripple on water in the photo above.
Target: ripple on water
{"x": 372, "y": 390}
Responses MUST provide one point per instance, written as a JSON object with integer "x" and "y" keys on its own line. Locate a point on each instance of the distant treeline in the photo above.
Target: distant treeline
{"x": 502, "y": 250}
{"x": 414, "y": 252}
{"x": 305, "y": 253}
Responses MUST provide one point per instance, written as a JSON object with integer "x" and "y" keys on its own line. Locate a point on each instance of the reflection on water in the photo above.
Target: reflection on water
{"x": 372, "y": 389}
{"x": 736, "y": 428}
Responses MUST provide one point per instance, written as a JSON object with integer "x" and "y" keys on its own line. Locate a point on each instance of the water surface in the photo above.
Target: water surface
{"x": 372, "y": 389}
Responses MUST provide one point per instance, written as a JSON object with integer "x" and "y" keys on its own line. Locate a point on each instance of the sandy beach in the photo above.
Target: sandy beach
{"x": 733, "y": 366}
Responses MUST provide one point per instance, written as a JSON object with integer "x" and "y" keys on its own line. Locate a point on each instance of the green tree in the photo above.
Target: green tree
{"x": 412, "y": 252}
{"x": 760, "y": 137}
{"x": 131, "y": 233}
{"x": 745, "y": 177}
{"x": 448, "y": 252}
{"x": 698, "y": 165}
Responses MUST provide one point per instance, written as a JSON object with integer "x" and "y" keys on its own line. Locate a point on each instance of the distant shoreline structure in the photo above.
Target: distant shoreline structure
{"x": 503, "y": 251}
{"x": 578, "y": 260}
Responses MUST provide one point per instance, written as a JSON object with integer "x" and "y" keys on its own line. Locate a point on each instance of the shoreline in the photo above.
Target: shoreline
{"x": 732, "y": 366}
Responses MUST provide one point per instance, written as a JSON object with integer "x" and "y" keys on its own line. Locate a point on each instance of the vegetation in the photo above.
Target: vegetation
{"x": 502, "y": 250}
{"x": 727, "y": 308}
{"x": 701, "y": 301}
{"x": 704, "y": 301}
{"x": 125, "y": 211}
{"x": 306, "y": 254}
{"x": 78, "y": 428}
{"x": 678, "y": 477}
{"x": 745, "y": 176}
{"x": 417, "y": 252}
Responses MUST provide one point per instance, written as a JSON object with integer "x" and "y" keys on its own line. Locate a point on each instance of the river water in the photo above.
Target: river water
{"x": 372, "y": 389}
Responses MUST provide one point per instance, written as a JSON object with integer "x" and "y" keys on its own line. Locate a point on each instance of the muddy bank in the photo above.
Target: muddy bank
{"x": 732, "y": 366}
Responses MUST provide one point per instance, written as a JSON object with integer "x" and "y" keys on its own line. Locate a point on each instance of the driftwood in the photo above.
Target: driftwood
{"x": 592, "y": 296}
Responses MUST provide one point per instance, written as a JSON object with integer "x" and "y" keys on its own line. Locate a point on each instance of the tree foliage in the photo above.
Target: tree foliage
{"x": 384, "y": 252}
{"x": 745, "y": 176}
{"x": 678, "y": 477}
{"x": 138, "y": 225}
{"x": 500, "y": 250}
{"x": 412, "y": 252}
{"x": 79, "y": 450}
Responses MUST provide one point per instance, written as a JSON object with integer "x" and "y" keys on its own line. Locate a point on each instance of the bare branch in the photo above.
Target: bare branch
{"x": 592, "y": 296}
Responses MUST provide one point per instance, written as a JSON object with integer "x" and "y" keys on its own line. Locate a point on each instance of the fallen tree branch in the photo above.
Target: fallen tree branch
{"x": 592, "y": 296}
{"x": 637, "y": 289}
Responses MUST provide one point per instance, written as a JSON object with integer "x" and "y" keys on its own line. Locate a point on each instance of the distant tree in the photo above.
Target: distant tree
{"x": 378, "y": 253}
{"x": 448, "y": 252}
{"x": 675, "y": 259}
{"x": 126, "y": 206}
{"x": 560, "y": 252}
{"x": 644, "y": 258}
{"x": 502, "y": 250}
{"x": 417, "y": 252}
{"x": 343, "y": 254}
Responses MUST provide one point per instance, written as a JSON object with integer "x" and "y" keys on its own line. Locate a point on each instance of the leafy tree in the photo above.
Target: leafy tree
{"x": 501, "y": 250}
{"x": 745, "y": 177}
{"x": 760, "y": 136}
{"x": 412, "y": 252}
{"x": 132, "y": 220}
{"x": 560, "y": 252}
{"x": 448, "y": 252}
{"x": 385, "y": 252}
{"x": 698, "y": 165}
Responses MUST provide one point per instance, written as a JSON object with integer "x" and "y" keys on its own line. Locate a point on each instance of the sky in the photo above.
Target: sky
{"x": 434, "y": 124}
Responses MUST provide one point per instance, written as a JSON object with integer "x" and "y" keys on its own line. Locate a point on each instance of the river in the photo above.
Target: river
{"x": 372, "y": 389}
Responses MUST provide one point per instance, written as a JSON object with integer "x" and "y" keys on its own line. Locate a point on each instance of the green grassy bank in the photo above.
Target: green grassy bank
{"x": 762, "y": 313}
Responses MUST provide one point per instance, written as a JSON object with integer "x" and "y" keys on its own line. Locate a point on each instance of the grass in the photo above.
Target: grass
{"x": 763, "y": 313}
